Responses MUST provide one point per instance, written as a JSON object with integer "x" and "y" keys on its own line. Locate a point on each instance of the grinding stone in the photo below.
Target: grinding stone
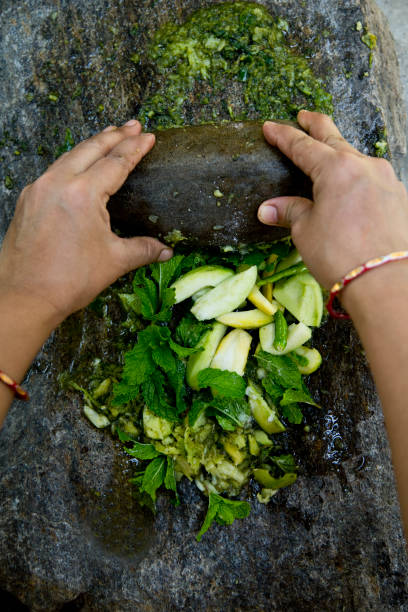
{"x": 70, "y": 533}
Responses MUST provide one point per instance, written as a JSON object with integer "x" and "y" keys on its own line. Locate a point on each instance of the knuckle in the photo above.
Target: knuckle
{"x": 77, "y": 190}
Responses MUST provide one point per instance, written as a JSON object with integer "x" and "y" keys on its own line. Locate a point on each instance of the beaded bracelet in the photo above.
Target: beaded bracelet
{"x": 14, "y": 386}
{"x": 370, "y": 265}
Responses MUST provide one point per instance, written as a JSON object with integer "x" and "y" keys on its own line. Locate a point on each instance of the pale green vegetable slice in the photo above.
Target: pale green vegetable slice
{"x": 263, "y": 413}
{"x": 156, "y": 427}
{"x": 202, "y": 359}
{"x": 226, "y": 296}
{"x": 232, "y": 352}
{"x": 313, "y": 358}
{"x": 266, "y": 480}
{"x": 302, "y": 296}
{"x": 246, "y": 319}
{"x": 99, "y": 420}
{"x": 298, "y": 334}
{"x": 197, "y": 279}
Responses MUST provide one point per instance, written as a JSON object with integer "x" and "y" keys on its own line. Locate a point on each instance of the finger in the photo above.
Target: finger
{"x": 136, "y": 252}
{"x": 306, "y": 153}
{"x": 283, "y": 211}
{"x": 91, "y": 150}
{"x": 109, "y": 173}
{"x": 322, "y": 128}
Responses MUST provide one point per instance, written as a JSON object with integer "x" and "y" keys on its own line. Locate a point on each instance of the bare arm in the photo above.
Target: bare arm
{"x": 360, "y": 211}
{"x": 59, "y": 251}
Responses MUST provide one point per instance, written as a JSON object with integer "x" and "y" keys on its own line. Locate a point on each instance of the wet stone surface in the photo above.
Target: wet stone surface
{"x": 70, "y": 530}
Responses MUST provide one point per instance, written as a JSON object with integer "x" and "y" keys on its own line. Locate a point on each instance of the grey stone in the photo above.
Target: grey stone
{"x": 70, "y": 530}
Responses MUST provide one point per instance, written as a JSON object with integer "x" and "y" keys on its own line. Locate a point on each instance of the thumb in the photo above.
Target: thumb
{"x": 140, "y": 251}
{"x": 283, "y": 211}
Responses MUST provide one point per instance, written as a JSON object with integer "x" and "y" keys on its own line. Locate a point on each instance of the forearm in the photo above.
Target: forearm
{"x": 26, "y": 323}
{"x": 378, "y": 305}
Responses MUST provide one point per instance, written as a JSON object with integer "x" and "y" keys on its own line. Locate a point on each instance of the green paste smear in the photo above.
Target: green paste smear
{"x": 212, "y": 440}
{"x": 237, "y": 47}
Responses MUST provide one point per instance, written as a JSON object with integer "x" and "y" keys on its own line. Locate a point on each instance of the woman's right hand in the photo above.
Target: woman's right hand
{"x": 360, "y": 208}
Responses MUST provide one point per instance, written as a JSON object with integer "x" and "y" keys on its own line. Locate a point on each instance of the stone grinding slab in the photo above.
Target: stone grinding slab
{"x": 70, "y": 530}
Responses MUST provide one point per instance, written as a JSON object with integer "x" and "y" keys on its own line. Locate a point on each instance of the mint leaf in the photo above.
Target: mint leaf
{"x": 165, "y": 312}
{"x": 182, "y": 351}
{"x": 293, "y": 413}
{"x": 297, "y": 395}
{"x": 197, "y": 408}
{"x": 189, "y": 331}
{"x": 153, "y": 477}
{"x": 224, "y": 382}
{"x": 273, "y": 390}
{"x": 176, "y": 380}
{"x": 282, "y": 369}
{"x": 125, "y": 437}
{"x": 285, "y": 462}
{"x": 164, "y": 358}
{"x": 138, "y": 367}
{"x": 164, "y": 273}
{"x": 170, "y": 479}
{"x": 156, "y": 399}
{"x": 223, "y": 511}
{"x": 145, "y": 291}
{"x": 233, "y": 412}
{"x": 142, "y": 451}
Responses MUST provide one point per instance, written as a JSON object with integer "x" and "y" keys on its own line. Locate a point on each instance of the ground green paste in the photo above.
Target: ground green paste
{"x": 234, "y": 47}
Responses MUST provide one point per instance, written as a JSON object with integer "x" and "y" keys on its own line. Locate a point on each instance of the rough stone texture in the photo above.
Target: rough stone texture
{"x": 69, "y": 528}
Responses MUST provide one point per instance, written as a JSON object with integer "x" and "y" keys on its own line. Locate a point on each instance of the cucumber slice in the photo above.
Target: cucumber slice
{"x": 193, "y": 281}
{"x": 298, "y": 334}
{"x": 232, "y": 352}
{"x": 302, "y": 296}
{"x": 259, "y": 300}
{"x": 292, "y": 259}
{"x": 313, "y": 358}
{"x": 226, "y": 296}
{"x": 266, "y": 480}
{"x": 246, "y": 319}
{"x": 263, "y": 413}
{"x": 201, "y": 360}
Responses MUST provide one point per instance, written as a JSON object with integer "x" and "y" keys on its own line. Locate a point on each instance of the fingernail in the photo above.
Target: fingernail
{"x": 110, "y": 128}
{"x": 165, "y": 255}
{"x": 268, "y": 214}
{"x": 131, "y": 122}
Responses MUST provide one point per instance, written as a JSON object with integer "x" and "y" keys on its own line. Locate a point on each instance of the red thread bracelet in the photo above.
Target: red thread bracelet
{"x": 370, "y": 265}
{"x": 14, "y": 386}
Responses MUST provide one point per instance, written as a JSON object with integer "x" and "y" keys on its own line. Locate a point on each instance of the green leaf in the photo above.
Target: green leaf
{"x": 297, "y": 395}
{"x": 274, "y": 391}
{"x": 163, "y": 273}
{"x": 125, "y": 437}
{"x": 154, "y": 476}
{"x": 138, "y": 367}
{"x": 146, "y": 292}
{"x": 165, "y": 312}
{"x": 164, "y": 358}
{"x": 176, "y": 379}
{"x": 293, "y": 413}
{"x": 156, "y": 399}
{"x": 235, "y": 412}
{"x": 189, "y": 331}
{"x": 224, "y": 382}
{"x": 142, "y": 451}
{"x": 170, "y": 479}
{"x": 183, "y": 351}
{"x": 285, "y": 462}
{"x": 223, "y": 511}
{"x": 197, "y": 408}
{"x": 282, "y": 369}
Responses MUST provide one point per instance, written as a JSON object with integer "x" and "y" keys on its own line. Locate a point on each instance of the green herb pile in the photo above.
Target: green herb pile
{"x": 237, "y": 47}
{"x": 182, "y": 416}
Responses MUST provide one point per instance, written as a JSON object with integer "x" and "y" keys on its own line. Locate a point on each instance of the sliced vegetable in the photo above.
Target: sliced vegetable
{"x": 266, "y": 480}
{"x": 292, "y": 259}
{"x": 311, "y": 356}
{"x": 156, "y": 427}
{"x": 281, "y": 332}
{"x": 298, "y": 334}
{"x": 99, "y": 420}
{"x": 202, "y": 359}
{"x": 302, "y": 296}
{"x": 246, "y": 319}
{"x": 263, "y": 413}
{"x": 260, "y": 301}
{"x": 197, "y": 279}
{"x": 226, "y": 296}
{"x": 232, "y": 352}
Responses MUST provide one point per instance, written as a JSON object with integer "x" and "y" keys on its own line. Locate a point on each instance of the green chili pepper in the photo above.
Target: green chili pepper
{"x": 297, "y": 269}
{"x": 281, "y": 331}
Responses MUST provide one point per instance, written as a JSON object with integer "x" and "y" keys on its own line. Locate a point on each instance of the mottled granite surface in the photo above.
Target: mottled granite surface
{"x": 69, "y": 529}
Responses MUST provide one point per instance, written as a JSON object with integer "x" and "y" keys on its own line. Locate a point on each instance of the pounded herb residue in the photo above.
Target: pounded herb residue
{"x": 236, "y": 47}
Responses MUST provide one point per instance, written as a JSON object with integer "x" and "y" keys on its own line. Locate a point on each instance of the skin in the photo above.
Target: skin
{"x": 359, "y": 211}
{"x": 59, "y": 252}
